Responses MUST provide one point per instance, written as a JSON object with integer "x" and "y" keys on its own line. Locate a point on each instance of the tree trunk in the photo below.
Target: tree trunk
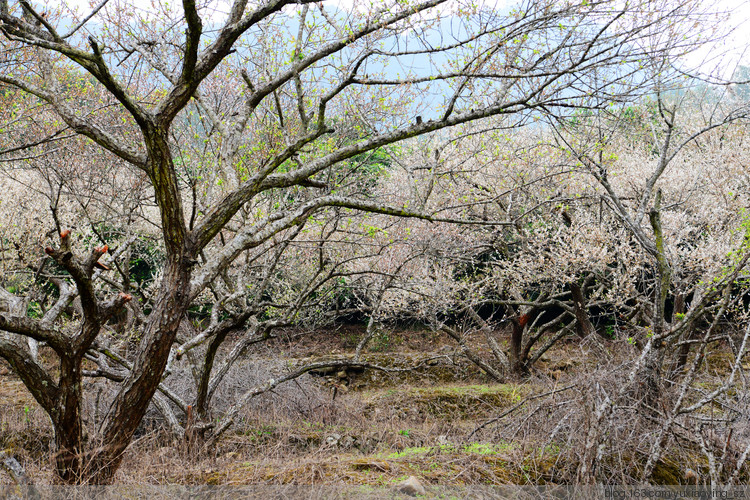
{"x": 684, "y": 351}
{"x": 517, "y": 364}
{"x": 584, "y": 328}
{"x": 171, "y": 305}
{"x": 68, "y": 424}
{"x": 202, "y": 399}
{"x": 132, "y": 401}
{"x": 651, "y": 377}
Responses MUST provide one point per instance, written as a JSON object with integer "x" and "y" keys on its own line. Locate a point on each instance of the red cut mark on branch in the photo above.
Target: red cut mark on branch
{"x": 524, "y": 319}
{"x": 98, "y": 251}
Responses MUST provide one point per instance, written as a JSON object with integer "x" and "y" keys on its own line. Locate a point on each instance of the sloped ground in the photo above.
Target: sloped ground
{"x": 354, "y": 427}
{"x": 377, "y": 437}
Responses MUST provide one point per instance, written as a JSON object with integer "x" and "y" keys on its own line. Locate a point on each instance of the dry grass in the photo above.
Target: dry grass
{"x": 344, "y": 443}
{"x": 24, "y": 430}
{"x": 380, "y": 436}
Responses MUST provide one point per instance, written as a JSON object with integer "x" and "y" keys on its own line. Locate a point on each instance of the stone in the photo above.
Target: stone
{"x": 14, "y": 469}
{"x": 411, "y": 487}
{"x": 333, "y": 439}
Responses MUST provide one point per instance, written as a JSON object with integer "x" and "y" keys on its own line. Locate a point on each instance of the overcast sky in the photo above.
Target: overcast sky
{"x": 727, "y": 55}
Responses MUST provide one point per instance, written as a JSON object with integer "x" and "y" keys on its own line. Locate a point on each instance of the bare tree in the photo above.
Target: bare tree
{"x": 241, "y": 121}
{"x": 675, "y": 124}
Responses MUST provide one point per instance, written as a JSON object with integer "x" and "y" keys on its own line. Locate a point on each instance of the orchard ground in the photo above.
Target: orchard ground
{"x": 353, "y": 427}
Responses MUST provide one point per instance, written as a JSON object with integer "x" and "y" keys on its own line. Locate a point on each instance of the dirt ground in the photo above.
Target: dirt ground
{"x": 446, "y": 423}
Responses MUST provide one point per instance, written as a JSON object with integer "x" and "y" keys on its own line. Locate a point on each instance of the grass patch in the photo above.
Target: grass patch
{"x": 450, "y": 401}
{"x": 449, "y": 465}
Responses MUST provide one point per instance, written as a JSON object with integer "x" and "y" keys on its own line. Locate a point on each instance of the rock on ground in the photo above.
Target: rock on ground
{"x": 411, "y": 487}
